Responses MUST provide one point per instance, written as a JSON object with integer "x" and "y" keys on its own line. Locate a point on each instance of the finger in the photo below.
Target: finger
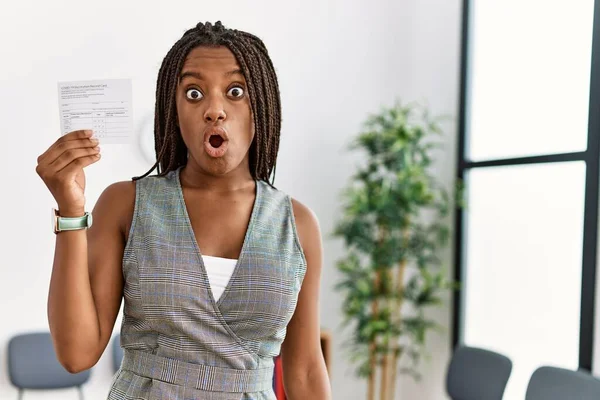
{"x": 58, "y": 148}
{"x": 70, "y": 155}
{"x": 78, "y": 134}
{"x": 74, "y": 135}
{"x": 78, "y": 164}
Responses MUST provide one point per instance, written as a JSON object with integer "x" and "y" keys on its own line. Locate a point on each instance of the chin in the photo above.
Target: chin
{"x": 217, "y": 167}
{"x": 211, "y": 170}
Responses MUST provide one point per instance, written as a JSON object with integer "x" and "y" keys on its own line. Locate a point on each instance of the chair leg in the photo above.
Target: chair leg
{"x": 20, "y": 394}
{"x": 80, "y": 392}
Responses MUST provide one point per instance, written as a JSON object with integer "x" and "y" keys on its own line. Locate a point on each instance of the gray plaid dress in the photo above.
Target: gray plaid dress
{"x": 181, "y": 344}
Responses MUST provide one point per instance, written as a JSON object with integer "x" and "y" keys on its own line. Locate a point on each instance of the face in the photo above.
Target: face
{"x": 213, "y": 111}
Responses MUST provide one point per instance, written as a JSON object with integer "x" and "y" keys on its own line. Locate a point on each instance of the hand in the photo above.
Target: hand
{"x": 61, "y": 169}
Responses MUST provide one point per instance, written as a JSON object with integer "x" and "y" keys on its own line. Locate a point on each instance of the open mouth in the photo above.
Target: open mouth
{"x": 216, "y": 141}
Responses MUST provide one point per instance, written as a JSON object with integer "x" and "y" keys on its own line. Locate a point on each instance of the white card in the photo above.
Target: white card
{"x": 101, "y": 105}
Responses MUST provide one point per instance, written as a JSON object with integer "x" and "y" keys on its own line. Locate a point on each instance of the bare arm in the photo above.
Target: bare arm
{"x": 304, "y": 371}
{"x": 87, "y": 283}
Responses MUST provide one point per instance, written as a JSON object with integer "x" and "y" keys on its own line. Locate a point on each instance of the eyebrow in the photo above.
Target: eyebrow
{"x": 199, "y": 76}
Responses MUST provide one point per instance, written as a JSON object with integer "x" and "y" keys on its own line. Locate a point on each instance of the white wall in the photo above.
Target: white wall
{"x": 336, "y": 62}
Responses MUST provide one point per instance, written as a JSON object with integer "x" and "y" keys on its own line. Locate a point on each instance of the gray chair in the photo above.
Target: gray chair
{"x": 117, "y": 352}
{"x": 477, "y": 374}
{"x": 32, "y": 364}
{"x": 552, "y": 383}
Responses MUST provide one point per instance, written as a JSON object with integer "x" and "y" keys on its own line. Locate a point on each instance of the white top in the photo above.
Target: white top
{"x": 219, "y": 271}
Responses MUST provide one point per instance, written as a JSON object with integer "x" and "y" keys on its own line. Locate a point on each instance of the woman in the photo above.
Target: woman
{"x": 219, "y": 270}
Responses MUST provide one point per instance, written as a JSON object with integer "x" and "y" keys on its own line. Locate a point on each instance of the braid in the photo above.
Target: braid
{"x": 263, "y": 91}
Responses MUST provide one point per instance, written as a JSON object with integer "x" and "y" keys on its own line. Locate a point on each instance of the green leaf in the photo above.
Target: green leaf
{"x": 394, "y": 212}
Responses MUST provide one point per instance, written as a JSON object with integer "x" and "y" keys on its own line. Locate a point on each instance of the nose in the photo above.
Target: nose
{"x": 215, "y": 111}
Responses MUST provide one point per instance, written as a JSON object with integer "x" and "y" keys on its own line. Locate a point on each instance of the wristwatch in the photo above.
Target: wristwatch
{"x": 60, "y": 224}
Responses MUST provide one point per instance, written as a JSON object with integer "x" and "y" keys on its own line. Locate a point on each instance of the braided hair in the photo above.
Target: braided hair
{"x": 263, "y": 90}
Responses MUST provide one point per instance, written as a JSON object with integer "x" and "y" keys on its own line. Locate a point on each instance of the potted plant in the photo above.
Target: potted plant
{"x": 394, "y": 224}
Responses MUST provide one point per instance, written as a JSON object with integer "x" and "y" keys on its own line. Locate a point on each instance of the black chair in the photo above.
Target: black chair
{"x": 477, "y": 374}
{"x": 32, "y": 364}
{"x": 552, "y": 383}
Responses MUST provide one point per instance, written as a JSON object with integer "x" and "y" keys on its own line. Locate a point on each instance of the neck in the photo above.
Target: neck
{"x": 191, "y": 175}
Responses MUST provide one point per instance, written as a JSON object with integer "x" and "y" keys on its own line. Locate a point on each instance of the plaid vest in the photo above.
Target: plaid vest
{"x": 179, "y": 343}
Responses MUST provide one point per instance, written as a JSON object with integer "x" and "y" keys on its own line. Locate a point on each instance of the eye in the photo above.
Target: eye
{"x": 236, "y": 92}
{"x": 193, "y": 94}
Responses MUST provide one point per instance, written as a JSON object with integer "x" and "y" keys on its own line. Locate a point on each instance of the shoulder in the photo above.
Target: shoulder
{"x": 123, "y": 193}
{"x": 307, "y": 226}
{"x": 306, "y": 221}
{"x": 118, "y": 193}
{"x": 116, "y": 205}
{"x": 304, "y": 216}
{"x": 123, "y": 188}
